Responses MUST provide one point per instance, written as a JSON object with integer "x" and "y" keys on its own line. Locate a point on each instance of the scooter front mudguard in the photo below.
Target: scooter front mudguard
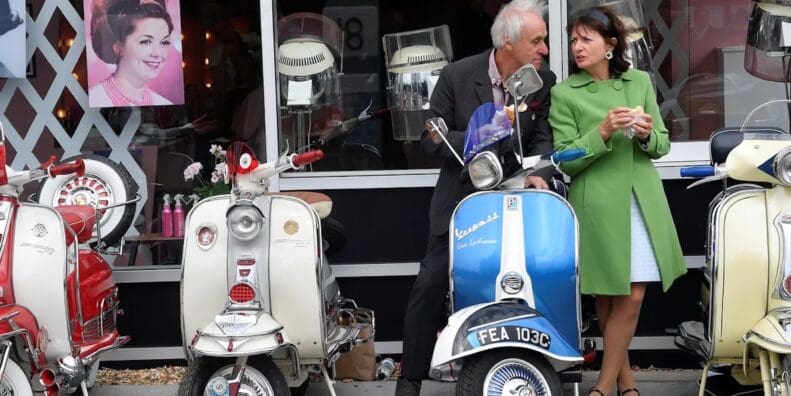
{"x": 232, "y": 337}
{"x": 770, "y": 333}
{"x": 504, "y": 324}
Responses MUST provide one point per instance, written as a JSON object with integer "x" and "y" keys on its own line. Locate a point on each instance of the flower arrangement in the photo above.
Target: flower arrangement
{"x": 219, "y": 176}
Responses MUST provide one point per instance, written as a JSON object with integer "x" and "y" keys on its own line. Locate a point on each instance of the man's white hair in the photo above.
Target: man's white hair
{"x": 509, "y": 22}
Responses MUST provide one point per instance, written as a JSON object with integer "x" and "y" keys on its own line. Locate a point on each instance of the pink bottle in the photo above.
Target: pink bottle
{"x": 178, "y": 217}
{"x": 167, "y": 218}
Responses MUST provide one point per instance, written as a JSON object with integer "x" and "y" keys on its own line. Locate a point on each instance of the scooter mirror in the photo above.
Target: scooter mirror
{"x": 524, "y": 81}
{"x": 438, "y": 131}
{"x": 438, "y": 128}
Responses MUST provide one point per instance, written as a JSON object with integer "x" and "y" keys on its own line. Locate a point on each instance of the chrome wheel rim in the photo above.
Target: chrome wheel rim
{"x": 515, "y": 377}
{"x": 253, "y": 383}
{"x": 85, "y": 190}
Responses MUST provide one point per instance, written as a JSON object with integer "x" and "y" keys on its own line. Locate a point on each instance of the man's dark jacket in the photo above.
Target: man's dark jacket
{"x": 462, "y": 87}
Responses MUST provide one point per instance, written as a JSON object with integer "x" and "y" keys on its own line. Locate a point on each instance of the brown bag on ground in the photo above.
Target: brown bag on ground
{"x": 359, "y": 363}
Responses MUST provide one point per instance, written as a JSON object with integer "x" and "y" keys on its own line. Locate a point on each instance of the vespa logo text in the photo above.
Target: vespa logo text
{"x": 461, "y": 234}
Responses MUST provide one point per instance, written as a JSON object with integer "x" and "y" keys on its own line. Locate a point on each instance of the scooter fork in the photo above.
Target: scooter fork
{"x": 779, "y": 375}
{"x": 770, "y": 367}
{"x": 235, "y": 383}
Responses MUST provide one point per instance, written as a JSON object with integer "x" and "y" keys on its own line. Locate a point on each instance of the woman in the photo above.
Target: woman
{"x": 135, "y": 36}
{"x": 627, "y": 236}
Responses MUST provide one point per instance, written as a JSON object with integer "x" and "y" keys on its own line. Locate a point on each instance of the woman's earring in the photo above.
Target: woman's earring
{"x": 608, "y": 55}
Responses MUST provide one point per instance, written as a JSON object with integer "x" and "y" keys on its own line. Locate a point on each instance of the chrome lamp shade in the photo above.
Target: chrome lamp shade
{"x": 414, "y": 61}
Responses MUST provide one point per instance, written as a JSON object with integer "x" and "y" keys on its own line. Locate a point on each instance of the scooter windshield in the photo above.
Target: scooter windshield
{"x": 770, "y": 119}
{"x": 488, "y": 125}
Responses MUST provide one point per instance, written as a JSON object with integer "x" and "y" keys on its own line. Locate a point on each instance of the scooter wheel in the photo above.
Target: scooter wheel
{"x": 14, "y": 381}
{"x": 505, "y": 371}
{"x": 261, "y": 376}
{"x": 105, "y": 183}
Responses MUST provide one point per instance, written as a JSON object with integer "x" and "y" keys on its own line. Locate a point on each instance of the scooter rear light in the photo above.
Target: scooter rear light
{"x": 241, "y": 293}
{"x": 52, "y": 390}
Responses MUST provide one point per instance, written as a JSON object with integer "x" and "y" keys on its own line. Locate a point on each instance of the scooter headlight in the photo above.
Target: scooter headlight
{"x": 245, "y": 222}
{"x": 486, "y": 172}
{"x": 782, "y": 166}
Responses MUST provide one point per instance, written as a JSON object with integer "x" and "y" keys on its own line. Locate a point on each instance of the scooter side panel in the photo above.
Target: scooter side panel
{"x": 739, "y": 271}
{"x": 294, "y": 269}
{"x": 550, "y": 244}
{"x": 204, "y": 285}
{"x": 39, "y": 273}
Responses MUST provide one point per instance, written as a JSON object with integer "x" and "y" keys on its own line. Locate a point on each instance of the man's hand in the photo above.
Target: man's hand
{"x": 537, "y": 182}
{"x": 203, "y": 124}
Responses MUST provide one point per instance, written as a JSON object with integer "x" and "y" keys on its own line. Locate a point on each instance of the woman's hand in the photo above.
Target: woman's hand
{"x": 643, "y": 127}
{"x": 615, "y": 119}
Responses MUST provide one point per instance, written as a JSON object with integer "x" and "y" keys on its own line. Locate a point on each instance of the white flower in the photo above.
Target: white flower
{"x": 215, "y": 149}
{"x": 192, "y": 170}
{"x": 221, "y": 169}
{"x": 215, "y": 177}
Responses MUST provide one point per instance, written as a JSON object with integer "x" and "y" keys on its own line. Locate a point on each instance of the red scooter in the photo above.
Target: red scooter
{"x": 58, "y": 300}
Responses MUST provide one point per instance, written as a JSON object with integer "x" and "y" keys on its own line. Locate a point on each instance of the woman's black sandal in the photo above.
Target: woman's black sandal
{"x": 594, "y": 390}
{"x": 635, "y": 390}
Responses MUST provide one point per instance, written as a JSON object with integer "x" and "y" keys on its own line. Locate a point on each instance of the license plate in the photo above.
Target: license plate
{"x": 234, "y": 324}
{"x": 521, "y": 334}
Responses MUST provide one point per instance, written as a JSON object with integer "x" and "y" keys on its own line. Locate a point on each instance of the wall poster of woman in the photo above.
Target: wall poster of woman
{"x": 12, "y": 39}
{"x": 134, "y": 53}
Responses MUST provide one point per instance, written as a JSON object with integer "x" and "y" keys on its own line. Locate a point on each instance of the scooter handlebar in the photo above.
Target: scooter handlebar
{"x": 307, "y": 157}
{"x": 77, "y": 167}
{"x": 568, "y": 155}
{"x": 697, "y": 171}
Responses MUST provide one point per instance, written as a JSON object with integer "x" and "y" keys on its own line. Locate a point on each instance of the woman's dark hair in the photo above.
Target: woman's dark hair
{"x": 606, "y": 22}
{"x": 113, "y": 20}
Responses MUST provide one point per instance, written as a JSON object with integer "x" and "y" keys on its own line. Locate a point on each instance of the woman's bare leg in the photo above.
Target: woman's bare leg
{"x": 618, "y": 325}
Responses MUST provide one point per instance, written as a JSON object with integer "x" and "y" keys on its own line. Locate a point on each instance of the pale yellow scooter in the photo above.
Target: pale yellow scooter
{"x": 747, "y": 279}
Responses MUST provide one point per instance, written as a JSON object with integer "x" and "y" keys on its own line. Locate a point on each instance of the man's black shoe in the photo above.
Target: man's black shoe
{"x": 407, "y": 387}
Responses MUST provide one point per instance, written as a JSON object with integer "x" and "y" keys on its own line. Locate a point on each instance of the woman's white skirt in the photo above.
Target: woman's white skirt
{"x": 644, "y": 265}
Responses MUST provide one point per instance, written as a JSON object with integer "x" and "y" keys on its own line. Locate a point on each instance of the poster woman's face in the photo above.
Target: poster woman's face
{"x": 144, "y": 52}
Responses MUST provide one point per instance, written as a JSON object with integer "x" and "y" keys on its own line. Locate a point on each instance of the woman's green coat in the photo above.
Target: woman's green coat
{"x": 602, "y": 182}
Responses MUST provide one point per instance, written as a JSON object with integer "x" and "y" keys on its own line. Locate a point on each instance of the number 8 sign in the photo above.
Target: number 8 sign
{"x": 360, "y": 26}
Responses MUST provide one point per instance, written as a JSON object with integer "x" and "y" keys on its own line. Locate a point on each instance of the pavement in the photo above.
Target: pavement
{"x": 659, "y": 382}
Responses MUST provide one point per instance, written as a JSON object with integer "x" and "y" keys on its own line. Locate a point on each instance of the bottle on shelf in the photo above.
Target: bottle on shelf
{"x": 178, "y": 216}
{"x": 166, "y": 219}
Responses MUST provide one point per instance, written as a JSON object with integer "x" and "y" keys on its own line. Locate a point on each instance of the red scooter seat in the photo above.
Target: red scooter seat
{"x": 79, "y": 219}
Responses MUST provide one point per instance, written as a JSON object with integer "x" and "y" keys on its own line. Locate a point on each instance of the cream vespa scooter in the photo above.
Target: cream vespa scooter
{"x": 747, "y": 280}
{"x": 260, "y": 306}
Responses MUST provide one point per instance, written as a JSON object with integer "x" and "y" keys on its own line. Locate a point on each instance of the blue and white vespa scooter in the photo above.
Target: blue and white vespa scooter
{"x": 514, "y": 293}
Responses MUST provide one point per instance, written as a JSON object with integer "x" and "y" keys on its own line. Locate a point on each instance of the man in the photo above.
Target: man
{"x": 519, "y": 34}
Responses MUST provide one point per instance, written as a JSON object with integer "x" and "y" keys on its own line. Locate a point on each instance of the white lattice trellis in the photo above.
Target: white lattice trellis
{"x": 91, "y": 121}
{"x": 670, "y": 47}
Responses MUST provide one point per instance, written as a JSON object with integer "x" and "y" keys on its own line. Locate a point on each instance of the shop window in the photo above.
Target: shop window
{"x": 345, "y": 70}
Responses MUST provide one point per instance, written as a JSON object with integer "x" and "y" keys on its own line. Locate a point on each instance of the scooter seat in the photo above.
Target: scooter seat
{"x": 79, "y": 219}
{"x": 321, "y": 203}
